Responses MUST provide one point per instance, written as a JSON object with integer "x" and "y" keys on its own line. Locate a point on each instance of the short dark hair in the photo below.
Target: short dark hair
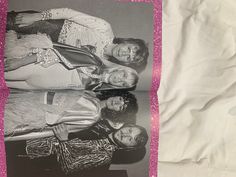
{"x": 141, "y": 54}
{"x": 123, "y": 156}
{"x": 142, "y": 138}
{"x": 128, "y": 115}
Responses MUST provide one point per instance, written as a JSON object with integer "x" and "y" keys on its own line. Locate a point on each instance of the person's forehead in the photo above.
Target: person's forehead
{"x": 132, "y": 45}
{"x": 126, "y": 128}
{"x": 121, "y": 71}
{"x": 134, "y": 129}
{"x": 118, "y": 71}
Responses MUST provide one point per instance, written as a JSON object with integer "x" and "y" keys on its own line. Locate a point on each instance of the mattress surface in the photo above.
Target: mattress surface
{"x": 197, "y": 94}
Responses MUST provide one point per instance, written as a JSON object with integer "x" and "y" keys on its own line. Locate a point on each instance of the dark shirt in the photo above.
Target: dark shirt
{"x": 90, "y": 155}
{"x": 100, "y": 130}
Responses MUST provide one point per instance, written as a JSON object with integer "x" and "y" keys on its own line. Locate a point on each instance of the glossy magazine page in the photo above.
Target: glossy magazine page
{"x": 82, "y": 79}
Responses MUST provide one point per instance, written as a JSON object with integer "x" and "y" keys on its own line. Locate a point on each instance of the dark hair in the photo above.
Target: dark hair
{"x": 128, "y": 115}
{"x": 142, "y": 138}
{"x": 123, "y": 156}
{"x": 141, "y": 54}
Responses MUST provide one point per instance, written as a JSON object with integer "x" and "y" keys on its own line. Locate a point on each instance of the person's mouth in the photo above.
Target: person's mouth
{"x": 118, "y": 135}
{"x": 121, "y": 135}
{"x": 112, "y": 103}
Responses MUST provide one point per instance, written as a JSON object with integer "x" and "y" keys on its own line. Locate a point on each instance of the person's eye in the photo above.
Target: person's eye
{"x": 125, "y": 75}
{"x": 128, "y": 59}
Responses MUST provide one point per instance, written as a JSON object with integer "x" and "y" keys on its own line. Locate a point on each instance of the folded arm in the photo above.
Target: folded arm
{"x": 45, "y": 57}
{"x": 77, "y": 17}
{"x": 13, "y": 64}
{"x": 98, "y": 24}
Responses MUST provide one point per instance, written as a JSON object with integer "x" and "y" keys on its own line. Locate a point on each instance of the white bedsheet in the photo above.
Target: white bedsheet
{"x": 197, "y": 95}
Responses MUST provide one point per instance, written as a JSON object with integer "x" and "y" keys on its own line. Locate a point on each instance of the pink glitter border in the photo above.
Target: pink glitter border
{"x": 156, "y": 73}
{"x": 4, "y": 90}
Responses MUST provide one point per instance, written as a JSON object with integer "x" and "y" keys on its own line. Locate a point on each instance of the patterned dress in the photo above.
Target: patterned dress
{"x": 74, "y": 155}
{"x": 34, "y": 112}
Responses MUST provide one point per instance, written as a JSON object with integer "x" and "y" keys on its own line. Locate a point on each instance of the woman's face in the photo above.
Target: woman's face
{"x": 118, "y": 78}
{"x": 125, "y": 52}
{"x": 116, "y": 103}
{"x": 127, "y": 136}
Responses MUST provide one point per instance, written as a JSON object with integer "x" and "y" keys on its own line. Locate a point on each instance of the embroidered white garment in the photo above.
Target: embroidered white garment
{"x": 21, "y": 47}
{"x": 81, "y": 28}
{"x": 197, "y": 95}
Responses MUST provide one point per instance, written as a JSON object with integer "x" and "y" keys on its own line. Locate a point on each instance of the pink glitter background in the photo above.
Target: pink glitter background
{"x": 153, "y": 92}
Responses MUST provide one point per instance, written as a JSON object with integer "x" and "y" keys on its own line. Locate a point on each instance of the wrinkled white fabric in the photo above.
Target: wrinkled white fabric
{"x": 197, "y": 94}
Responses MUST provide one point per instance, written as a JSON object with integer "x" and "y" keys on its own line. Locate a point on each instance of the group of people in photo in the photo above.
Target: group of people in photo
{"x": 71, "y": 81}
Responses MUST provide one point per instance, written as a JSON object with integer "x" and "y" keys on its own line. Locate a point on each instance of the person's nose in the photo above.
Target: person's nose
{"x": 118, "y": 79}
{"x": 121, "y": 102}
{"x": 125, "y": 134}
{"x": 125, "y": 52}
{"x": 132, "y": 54}
{"x": 119, "y": 106}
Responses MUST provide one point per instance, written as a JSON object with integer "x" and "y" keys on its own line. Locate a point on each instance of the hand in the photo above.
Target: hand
{"x": 26, "y": 19}
{"x": 61, "y": 132}
{"x": 12, "y": 64}
{"x": 78, "y": 43}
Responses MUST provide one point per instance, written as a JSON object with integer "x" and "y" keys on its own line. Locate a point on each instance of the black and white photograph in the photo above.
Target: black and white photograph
{"x": 92, "y": 45}
{"x": 79, "y": 73}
